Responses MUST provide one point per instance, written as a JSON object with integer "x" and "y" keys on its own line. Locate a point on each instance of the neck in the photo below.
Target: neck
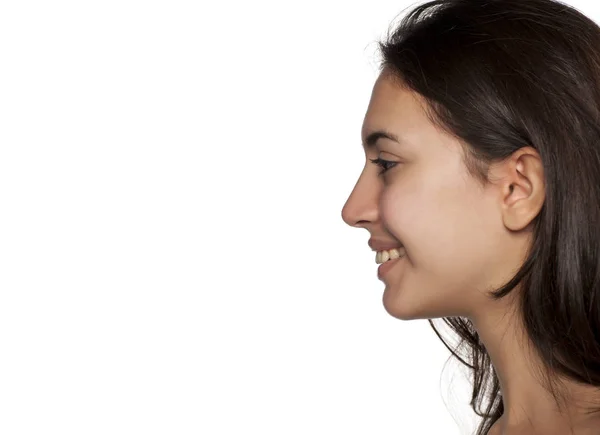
{"x": 528, "y": 405}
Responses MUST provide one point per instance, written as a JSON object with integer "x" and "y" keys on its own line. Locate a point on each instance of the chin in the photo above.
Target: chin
{"x": 406, "y": 305}
{"x": 402, "y": 309}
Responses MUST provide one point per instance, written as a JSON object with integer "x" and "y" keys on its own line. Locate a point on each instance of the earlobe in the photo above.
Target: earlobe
{"x": 523, "y": 189}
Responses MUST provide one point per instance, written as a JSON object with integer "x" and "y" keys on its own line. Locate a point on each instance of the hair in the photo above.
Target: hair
{"x": 500, "y": 75}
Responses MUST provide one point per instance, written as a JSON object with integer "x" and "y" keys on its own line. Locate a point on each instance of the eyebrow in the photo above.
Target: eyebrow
{"x": 374, "y": 136}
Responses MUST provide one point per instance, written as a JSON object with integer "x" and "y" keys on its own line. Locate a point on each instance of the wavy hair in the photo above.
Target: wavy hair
{"x": 500, "y": 75}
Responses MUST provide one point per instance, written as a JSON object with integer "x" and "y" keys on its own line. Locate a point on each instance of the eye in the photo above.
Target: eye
{"x": 382, "y": 163}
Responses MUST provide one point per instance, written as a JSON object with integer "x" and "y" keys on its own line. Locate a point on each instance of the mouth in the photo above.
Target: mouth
{"x": 389, "y": 255}
{"x": 386, "y": 266}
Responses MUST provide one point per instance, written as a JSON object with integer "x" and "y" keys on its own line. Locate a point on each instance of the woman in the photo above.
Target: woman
{"x": 482, "y": 144}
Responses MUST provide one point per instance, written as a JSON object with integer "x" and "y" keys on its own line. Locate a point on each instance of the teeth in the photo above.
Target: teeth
{"x": 392, "y": 254}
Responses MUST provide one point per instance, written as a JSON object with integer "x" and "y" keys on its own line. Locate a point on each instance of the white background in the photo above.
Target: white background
{"x": 172, "y": 254}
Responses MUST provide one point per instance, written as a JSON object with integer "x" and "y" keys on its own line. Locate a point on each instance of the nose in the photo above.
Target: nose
{"x": 360, "y": 208}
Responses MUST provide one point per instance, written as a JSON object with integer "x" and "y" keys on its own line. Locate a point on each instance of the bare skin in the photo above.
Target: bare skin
{"x": 461, "y": 240}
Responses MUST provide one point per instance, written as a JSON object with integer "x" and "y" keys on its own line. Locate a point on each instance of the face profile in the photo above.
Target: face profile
{"x": 455, "y": 241}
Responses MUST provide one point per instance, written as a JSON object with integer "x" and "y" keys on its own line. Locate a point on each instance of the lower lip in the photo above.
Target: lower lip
{"x": 385, "y": 267}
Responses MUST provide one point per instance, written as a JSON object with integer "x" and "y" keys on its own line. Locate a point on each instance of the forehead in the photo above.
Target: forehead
{"x": 395, "y": 109}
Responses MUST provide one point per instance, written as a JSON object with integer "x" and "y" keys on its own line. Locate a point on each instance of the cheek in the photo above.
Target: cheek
{"x": 439, "y": 220}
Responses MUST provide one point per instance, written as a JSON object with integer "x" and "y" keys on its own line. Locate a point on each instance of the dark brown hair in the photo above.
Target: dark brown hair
{"x": 500, "y": 75}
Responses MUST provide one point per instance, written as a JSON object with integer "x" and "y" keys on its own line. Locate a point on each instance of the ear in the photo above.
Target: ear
{"x": 522, "y": 187}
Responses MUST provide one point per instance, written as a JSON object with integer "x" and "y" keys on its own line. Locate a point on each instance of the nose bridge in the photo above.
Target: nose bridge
{"x": 361, "y": 205}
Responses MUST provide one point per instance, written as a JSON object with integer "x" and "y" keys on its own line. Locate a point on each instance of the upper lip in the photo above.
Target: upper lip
{"x": 383, "y": 245}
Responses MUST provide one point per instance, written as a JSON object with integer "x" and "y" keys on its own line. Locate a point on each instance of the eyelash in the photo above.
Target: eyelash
{"x": 381, "y": 163}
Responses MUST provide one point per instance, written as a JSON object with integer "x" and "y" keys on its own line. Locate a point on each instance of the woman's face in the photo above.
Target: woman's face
{"x": 451, "y": 227}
